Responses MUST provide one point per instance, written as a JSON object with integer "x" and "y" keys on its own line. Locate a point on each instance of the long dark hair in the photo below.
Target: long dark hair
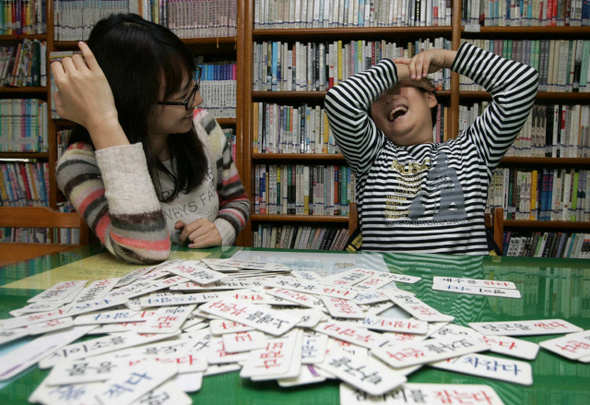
{"x": 138, "y": 57}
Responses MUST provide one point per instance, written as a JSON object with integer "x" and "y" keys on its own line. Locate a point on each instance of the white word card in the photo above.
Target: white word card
{"x": 417, "y": 308}
{"x": 475, "y": 290}
{"x": 421, "y": 394}
{"x": 471, "y": 282}
{"x": 370, "y": 376}
{"x": 256, "y": 316}
{"x": 480, "y": 365}
{"x": 525, "y": 328}
{"x": 340, "y": 308}
{"x": 167, "y": 319}
{"x": 573, "y": 346}
{"x": 195, "y": 272}
{"x": 427, "y": 351}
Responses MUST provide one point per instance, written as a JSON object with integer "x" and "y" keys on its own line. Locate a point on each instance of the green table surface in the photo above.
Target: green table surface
{"x": 550, "y": 288}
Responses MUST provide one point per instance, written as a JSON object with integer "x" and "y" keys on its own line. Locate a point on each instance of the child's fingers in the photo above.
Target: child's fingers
{"x": 57, "y": 70}
{"x": 89, "y": 57}
{"x": 79, "y": 62}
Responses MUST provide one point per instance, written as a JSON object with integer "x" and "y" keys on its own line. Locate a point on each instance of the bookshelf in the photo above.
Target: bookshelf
{"x": 457, "y": 31}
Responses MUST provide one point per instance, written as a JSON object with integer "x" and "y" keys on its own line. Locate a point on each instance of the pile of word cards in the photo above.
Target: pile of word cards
{"x": 161, "y": 329}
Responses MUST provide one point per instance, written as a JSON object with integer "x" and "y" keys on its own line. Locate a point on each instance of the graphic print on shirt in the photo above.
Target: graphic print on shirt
{"x": 437, "y": 198}
{"x": 199, "y": 205}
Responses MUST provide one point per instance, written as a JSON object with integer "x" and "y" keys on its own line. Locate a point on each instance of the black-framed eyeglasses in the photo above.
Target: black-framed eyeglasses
{"x": 188, "y": 103}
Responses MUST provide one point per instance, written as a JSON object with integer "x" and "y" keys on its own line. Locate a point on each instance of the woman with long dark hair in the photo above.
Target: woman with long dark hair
{"x": 143, "y": 167}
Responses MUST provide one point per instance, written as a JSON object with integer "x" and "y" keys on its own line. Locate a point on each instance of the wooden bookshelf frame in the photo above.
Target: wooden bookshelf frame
{"x": 456, "y": 32}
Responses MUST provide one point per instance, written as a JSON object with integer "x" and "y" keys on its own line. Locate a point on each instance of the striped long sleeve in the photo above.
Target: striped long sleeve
{"x": 429, "y": 198}
{"x": 112, "y": 189}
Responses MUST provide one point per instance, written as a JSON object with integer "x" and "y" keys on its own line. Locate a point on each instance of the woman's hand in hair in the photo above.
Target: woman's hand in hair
{"x": 201, "y": 233}
{"x": 85, "y": 97}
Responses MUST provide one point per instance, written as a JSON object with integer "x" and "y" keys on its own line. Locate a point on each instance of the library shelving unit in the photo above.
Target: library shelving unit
{"x": 452, "y": 99}
{"x": 543, "y": 97}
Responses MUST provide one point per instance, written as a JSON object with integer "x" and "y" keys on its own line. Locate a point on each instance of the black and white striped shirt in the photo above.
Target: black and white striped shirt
{"x": 429, "y": 198}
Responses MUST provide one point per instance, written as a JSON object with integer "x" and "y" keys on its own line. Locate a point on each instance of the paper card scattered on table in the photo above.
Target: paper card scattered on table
{"x": 471, "y": 282}
{"x": 116, "y": 328}
{"x": 313, "y": 349}
{"x": 59, "y": 291}
{"x": 402, "y": 278}
{"x": 196, "y": 273}
{"x": 219, "y": 285}
{"x": 349, "y": 333}
{"x": 420, "y": 394}
{"x": 525, "y": 328}
{"x": 264, "y": 319}
{"x": 101, "y": 345}
{"x": 310, "y": 287}
{"x": 30, "y": 353}
{"x": 370, "y": 297}
{"x": 218, "y": 355}
{"x": 310, "y": 317}
{"x": 273, "y": 359}
{"x": 83, "y": 371}
{"x": 370, "y": 376}
{"x": 96, "y": 290}
{"x": 66, "y": 394}
{"x": 427, "y": 351}
{"x": 132, "y": 276}
{"x": 244, "y": 341}
{"x": 307, "y": 276}
{"x": 306, "y": 300}
{"x": 393, "y": 325}
{"x": 114, "y": 316}
{"x": 340, "y": 308}
{"x": 573, "y": 346}
{"x": 480, "y": 365}
{"x": 468, "y": 289}
{"x": 98, "y": 305}
{"x": 187, "y": 382}
{"x": 27, "y": 320}
{"x": 512, "y": 347}
{"x": 167, "y": 319}
{"x": 294, "y": 368}
{"x": 215, "y": 369}
{"x": 129, "y": 289}
{"x": 255, "y": 297}
{"x": 134, "y": 382}
{"x": 348, "y": 278}
{"x": 417, "y": 308}
{"x": 307, "y": 375}
{"x": 169, "y": 393}
{"x": 36, "y": 307}
{"x": 159, "y": 285}
{"x": 186, "y": 299}
{"x": 50, "y": 326}
{"x": 13, "y": 334}
{"x": 376, "y": 281}
{"x": 350, "y": 348}
{"x": 220, "y": 327}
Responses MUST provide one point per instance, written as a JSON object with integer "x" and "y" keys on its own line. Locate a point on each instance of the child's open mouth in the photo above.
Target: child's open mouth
{"x": 397, "y": 112}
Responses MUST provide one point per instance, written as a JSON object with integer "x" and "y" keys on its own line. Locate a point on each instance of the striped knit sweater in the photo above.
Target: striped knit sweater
{"x": 112, "y": 189}
{"x": 429, "y": 198}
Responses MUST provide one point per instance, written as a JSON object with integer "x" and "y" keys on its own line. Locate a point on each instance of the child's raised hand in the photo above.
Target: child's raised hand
{"x": 84, "y": 95}
{"x": 427, "y": 62}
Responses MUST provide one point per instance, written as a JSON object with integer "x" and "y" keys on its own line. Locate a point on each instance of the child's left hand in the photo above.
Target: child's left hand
{"x": 201, "y": 233}
{"x": 426, "y": 62}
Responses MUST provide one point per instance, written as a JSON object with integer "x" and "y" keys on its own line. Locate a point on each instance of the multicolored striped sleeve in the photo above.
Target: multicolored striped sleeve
{"x": 234, "y": 205}
{"x": 112, "y": 189}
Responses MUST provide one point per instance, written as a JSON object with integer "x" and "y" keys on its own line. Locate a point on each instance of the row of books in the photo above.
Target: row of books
{"x": 272, "y": 14}
{"x": 544, "y": 195}
{"x": 303, "y": 190}
{"x": 74, "y": 19}
{"x": 526, "y": 13}
{"x": 299, "y": 237}
{"x": 282, "y": 66}
{"x": 548, "y": 244}
{"x": 305, "y": 129}
{"x": 563, "y": 65}
{"x": 23, "y": 125}
{"x": 23, "y": 64}
{"x": 218, "y": 89}
{"x": 549, "y": 131}
{"x": 24, "y": 184}
{"x": 194, "y": 18}
{"x": 288, "y": 129}
{"x": 23, "y": 17}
